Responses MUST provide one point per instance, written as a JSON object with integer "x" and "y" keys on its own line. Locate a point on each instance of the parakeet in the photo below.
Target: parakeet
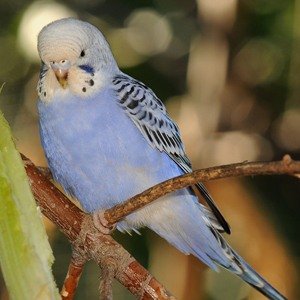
{"x": 107, "y": 137}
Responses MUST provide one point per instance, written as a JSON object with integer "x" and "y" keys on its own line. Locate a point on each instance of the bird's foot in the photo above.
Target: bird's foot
{"x": 101, "y": 223}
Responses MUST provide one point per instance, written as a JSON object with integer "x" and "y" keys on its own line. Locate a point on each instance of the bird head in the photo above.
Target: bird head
{"x": 75, "y": 58}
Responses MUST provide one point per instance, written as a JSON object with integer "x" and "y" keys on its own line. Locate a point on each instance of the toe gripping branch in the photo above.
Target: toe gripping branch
{"x": 91, "y": 244}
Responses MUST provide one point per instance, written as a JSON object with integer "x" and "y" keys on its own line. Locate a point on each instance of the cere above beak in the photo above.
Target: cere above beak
{"x": 61, "y": 70}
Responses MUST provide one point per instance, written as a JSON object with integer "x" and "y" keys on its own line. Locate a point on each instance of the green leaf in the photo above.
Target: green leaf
{"x": 25, "y": 253}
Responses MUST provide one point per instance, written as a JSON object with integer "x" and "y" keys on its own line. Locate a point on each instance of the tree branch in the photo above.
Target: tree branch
{"x": 112, "y": 258}
{"x": 285, "y": 166}
{"x": 74, "y": 273}
{"x": 81, "y": 232}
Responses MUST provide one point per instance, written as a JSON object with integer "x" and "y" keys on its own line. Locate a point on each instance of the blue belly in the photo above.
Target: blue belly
{"x": 97, "y": 153}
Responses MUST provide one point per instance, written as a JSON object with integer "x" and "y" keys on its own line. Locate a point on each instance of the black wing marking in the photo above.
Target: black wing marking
{"x": 43, "y": 70}
{"x": 150, "y": 116}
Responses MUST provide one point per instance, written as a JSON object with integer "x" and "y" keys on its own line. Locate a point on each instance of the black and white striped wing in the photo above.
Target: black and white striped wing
{"x": 150, "y": 116}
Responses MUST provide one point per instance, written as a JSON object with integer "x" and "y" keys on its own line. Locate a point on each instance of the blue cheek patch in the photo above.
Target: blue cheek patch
{"x": 87, "y": 69}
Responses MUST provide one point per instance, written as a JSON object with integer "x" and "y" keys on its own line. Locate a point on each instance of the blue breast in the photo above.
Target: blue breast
{"x": 97, "y": 153}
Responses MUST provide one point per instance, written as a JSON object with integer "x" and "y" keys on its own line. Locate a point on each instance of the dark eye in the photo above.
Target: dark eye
{"x": 82, "y": 54}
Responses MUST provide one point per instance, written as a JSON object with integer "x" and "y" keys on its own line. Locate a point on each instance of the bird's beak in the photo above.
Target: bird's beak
{"x": 61, "y": 70}
{"x": 62, "y": 77}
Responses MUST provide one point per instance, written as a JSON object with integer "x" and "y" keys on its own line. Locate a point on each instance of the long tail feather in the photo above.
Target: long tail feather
{"x": 242, "y": 269}
{"x": 193, "y": 229}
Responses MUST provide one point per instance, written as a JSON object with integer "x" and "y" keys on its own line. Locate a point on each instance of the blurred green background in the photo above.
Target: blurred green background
{"x": 229, "y": 74}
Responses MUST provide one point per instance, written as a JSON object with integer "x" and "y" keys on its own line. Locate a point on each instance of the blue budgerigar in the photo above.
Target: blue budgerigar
{"x": 107, "y": 137}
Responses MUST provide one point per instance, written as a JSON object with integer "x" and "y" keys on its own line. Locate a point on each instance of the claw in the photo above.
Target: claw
{"x": 101, "y": 223}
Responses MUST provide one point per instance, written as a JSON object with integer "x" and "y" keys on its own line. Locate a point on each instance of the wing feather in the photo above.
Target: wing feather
{"x": 150, "y": 116}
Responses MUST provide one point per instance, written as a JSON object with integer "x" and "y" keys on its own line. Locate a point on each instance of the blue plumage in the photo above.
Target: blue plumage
{"x": 107, "y": 165}
{"x": 107, "y": 137}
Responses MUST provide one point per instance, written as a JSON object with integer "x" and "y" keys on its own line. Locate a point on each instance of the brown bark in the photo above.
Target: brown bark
{"x": 71, "y": 282}
{"x": 79, "y": 229}
{"x": 285, "y": 166}
{"x": 111, "y": 257}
